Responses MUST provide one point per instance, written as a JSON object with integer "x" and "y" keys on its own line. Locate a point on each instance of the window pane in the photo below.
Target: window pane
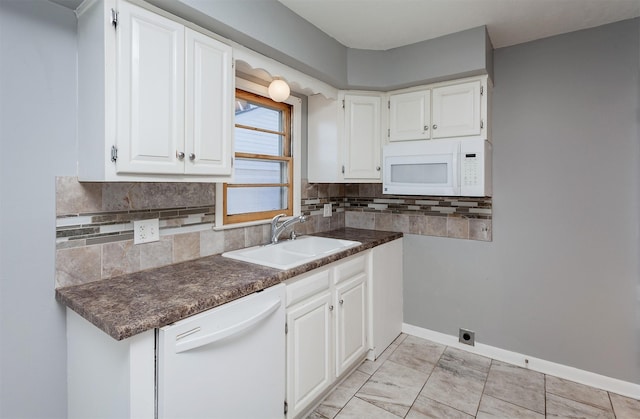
{"x": 260, "y": 171}
{"x": 258, "y": 116}
{"x": 243, "y": 200}
{"x": 256, "y": 142}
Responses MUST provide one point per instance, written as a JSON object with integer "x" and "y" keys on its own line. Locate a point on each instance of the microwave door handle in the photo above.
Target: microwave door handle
{"x": 456, "y": 170}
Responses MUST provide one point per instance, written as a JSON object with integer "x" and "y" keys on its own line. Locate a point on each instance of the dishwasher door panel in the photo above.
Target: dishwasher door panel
{"x": 228, "y": 362}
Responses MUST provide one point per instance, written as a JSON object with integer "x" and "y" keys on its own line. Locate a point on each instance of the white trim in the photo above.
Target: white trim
{"x": 603, "y": 382}
{"x": 296, "y": 138}
{"x": 250, "y": 62}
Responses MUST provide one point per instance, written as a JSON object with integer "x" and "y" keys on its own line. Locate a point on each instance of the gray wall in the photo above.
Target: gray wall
{"x": 560, "y": 280}
{"x": 448, "y": 57}
{"x": 38, "y": 134}
{"x": 270, "y": 28}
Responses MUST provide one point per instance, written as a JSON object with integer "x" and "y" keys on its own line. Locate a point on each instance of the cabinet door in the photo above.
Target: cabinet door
{"x": 150, "y": 92}
{"x": 209, "y": 102}
{"x": 362, "y": 137}
{"x": 410, "y": 115}
{"x": 456, "y": 110}
{"x": 351, "y": 326}
{"x": 309, "y": 351}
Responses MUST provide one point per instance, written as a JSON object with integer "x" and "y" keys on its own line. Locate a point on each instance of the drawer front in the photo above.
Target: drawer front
{"x": 307, "y": 285}
{"x": 351, "y": 268}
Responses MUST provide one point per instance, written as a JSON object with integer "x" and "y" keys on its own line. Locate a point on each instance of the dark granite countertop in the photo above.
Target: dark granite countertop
{"x": 130, "y": 304}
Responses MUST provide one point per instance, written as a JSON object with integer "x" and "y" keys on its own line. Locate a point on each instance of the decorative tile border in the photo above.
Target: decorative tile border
{"x": 365, "y": 206}
{"x": 106, "y": 227}
{"x": 94, "y": 224}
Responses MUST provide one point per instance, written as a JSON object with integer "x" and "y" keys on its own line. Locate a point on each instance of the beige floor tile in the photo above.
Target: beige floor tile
{"x": 401, "y": 337}
{"x": 559, "y": 407}
{"x": 341, "y": 395}
{"x": 457, "y": 386}
{"x": 490, "y": 407}
{"x": 394, "y": 387}
{"x": 419, "y": 354}
{"x": 427, "y": 408}
{"x": 624, "y": 407}
{"x": 516, "y": 385}
{"x": 359, "y": 409}
{"x": 578, "y": 392}
{"x": 317, "y": 415}
{"x": 370, "y": 367}
{"x": 466, "y": 359}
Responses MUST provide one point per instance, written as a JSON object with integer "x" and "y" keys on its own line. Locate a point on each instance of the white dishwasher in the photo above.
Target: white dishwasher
{"x": 228, "y": 362}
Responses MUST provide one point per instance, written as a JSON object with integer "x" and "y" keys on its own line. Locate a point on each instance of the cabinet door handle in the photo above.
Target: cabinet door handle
{"x": 192, "y": 156}
{"x": 180, "y": 155}
{"x": 331, "y": 308}
{"x": 341, "y": 301}
{"x": 378, "y": 168}
{"x": 435, "y": 126}
{"x": 426, "y": 127}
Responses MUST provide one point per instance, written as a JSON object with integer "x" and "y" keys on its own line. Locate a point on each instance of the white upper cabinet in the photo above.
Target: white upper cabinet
{"x": 443, "y": 110}
{"x": 362, "y": 134}
{"x": 456, "y": 110}
{"x": 155, "y": 98}
{"x": 150, "y": 95}
{"x": 344, "y": 141}
{"x": 410, "y": 115}
{"x": 209, "y": 105}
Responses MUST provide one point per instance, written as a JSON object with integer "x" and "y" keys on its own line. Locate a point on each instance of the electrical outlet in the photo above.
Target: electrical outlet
{"x": 145, "y": 231}
{"x": 327, "y": 210}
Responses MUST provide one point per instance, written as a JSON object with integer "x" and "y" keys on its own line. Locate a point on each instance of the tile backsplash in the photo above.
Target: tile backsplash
{"x": 94, "y": 222}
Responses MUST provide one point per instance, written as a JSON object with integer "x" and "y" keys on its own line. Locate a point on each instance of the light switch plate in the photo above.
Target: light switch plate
{"x": 327, "y": 210}
{"x": 145, "y": 231}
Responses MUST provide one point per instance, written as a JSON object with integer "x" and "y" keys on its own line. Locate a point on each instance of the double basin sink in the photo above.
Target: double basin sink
{"x": 291, "y": 253}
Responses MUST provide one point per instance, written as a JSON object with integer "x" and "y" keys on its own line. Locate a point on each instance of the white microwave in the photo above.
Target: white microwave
{"x": 443, "y": 167}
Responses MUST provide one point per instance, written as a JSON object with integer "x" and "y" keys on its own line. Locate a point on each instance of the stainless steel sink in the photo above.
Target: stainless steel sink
{"x": 289, "y": 254}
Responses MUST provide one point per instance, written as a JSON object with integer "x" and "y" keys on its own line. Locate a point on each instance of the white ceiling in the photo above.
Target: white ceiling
{"x": 385, "y": 24}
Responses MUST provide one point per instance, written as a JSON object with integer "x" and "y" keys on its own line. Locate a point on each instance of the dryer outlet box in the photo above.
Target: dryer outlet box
{"x": 467, "y": 337}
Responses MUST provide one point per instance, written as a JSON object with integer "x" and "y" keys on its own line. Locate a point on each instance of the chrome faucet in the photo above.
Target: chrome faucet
{"x": 276, "y": 230}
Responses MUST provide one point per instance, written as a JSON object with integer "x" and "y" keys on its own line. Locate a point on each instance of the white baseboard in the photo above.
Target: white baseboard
{"x": 613, "y": 385}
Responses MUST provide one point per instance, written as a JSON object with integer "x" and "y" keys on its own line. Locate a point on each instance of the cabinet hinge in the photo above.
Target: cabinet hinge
{"x": 114, "y": 18}
{"x": 481, "y": 90}
{"x": 388, "y": 104}
{"x": 342, "y": 103}
{"x": 286, "y": 328}
{"x": 114, "y": 153}
{"x": 286, "y": 407}
{"x": 481, "y": 124}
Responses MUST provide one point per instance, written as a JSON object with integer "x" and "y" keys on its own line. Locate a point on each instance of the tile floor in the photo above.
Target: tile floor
{"x": 415, "y": 378}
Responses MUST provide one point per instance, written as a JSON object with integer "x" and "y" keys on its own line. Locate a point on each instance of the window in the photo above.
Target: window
{"x": 263, "y": 177}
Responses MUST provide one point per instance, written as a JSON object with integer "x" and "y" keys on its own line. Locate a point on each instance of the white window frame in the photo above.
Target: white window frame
{"x": 296, "y": 145}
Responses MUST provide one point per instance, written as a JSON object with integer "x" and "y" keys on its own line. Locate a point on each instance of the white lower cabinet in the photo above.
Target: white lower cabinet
{"x": 385, "y": 296}
{"x": 351, "y": 325}
{"x": 327, "y": 327}
{"x": 309, "y": 354}
{"x": 335, "y": 315}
